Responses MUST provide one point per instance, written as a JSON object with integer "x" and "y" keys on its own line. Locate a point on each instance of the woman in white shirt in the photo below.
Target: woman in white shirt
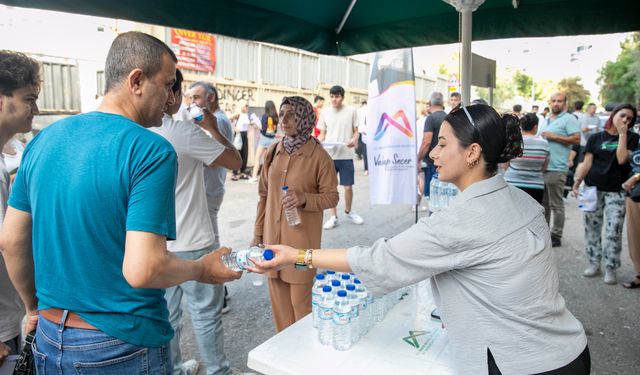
{"x": 493, "y": 275}
{"x": 243, "y": 121}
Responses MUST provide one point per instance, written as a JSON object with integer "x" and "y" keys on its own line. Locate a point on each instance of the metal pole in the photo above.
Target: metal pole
{"x": 467, "y": 16}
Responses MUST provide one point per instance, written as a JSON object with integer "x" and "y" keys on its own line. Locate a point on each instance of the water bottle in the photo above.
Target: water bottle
{"x": 239, "y": 260}
{"x": 293, "y": 218}
{"x": 342, "y": 322}
{"x": 316, "y": 295}
{"x": 365, "y": 309}
{"x": 434, "y": 195}
{"x": 379, "y": 308}
{"x": 325, "y": 316}
{"x": 196, "y": 113}
{"x": 336, "y": 286}
{"x": 345, "y": 279}
{"x": 354, "y": 302}
{"x": 331, "y": 275}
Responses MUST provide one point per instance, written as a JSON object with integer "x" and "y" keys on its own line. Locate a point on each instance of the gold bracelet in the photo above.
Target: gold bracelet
{"x": 308, "y": 258}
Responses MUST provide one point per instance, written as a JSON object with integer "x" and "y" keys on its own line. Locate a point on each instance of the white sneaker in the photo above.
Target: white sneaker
{"x": 190, "y": 367}
{"x": 610, "y": 276}
{"x": 252, "y": 181}
{"x": 591, "y": 270}
{"x": 355, "y": 218}
{"x": 331, "y": 223}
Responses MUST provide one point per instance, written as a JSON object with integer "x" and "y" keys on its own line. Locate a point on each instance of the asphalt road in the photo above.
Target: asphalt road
{"x": 610, "y": 314}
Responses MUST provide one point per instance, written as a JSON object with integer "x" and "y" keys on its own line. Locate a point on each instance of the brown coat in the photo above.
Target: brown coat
{"x": 310, "y": 170}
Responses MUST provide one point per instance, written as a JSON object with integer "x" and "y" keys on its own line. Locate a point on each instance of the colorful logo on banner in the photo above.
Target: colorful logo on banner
{"x": 386, "y": 121}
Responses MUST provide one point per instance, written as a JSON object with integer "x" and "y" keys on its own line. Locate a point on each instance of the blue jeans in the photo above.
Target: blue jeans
{"x": 429, "y": 172}
{"x": 205, "y": 303}
{"x": 63, "y": 350}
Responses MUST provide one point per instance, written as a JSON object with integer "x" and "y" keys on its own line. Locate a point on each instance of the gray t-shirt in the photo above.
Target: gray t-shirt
{"x": 493, "y": 277}
{"x": 215, "y": 177}
{"x": 11, "y": 308}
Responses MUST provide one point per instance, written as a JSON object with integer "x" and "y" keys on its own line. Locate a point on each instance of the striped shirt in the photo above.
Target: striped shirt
{"x": 526, "y": 171}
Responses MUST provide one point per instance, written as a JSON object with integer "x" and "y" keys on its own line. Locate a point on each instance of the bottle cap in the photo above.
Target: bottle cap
{"x": 335, "y": 283}
{"x": 320, "y": 276}
{"x": 345, "y": 277}
{"x": 351, "y": 287}
{"x": 326, "y": 288}
{"x": 331, "y": 272}
{"x": 285, "y": 188}
{"x": 268, "y": 254}
{"x": 357, "y": 281}
{"x": 342, "y": 293}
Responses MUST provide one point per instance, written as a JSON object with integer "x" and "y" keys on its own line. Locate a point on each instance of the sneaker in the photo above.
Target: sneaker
{"x": 610, "y": 276}
{"x": 225, "y": 307}
{"x": 331, "y": 223}
{"x": 555, "y": 242}
{"x": 591, "y": 270}
{"x": 190, "y": 367}
{"x": 252, "y": 181}
{"x": 355, "y": 218}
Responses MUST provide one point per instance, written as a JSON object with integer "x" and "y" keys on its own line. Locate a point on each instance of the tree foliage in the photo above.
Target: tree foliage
{"x": 573, "y": 89}
{"x": 619, "y": 80}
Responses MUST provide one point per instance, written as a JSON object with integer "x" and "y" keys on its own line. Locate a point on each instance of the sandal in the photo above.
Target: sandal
{"x": 633, "y": 284}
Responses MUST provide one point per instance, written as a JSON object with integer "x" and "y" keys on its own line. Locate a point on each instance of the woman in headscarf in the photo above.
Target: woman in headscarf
{"x": 300, "y": 162}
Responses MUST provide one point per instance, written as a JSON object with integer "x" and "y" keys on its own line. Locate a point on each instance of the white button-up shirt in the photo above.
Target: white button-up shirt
{"x": 493, "y": 276}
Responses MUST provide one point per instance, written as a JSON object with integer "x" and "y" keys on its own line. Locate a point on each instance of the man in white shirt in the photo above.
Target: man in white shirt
{"x": 362, "y": 132}
{"x": 205, "y": 95}
{"x": 195, "y": 237}
{"x": 338, "y": 126}
{"x": 19, "y": 88}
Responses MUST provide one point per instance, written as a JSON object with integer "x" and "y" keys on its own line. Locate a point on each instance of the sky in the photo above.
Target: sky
{"x": 542, "y": 58}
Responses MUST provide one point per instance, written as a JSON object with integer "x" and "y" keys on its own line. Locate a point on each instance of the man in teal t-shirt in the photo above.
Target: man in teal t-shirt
{"x": 90, "y": 213}
{"x": 561, "y": 131}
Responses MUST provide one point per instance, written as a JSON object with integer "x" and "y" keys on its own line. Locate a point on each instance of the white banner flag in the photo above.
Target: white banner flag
{"x": 391, "y": 133}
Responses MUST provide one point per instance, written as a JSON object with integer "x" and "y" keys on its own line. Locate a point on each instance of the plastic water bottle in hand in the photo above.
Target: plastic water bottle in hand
{"x": 342, "y": 322}
{"x": 325, "y": 316}
{"x": 354, "y": 301}
{"x": 434, "y": 194}
{"x": 196, "y": 113}
{"x": 293, "y": 218}
{"x": 239, "y": 260}
{"x": 316, "y": 295}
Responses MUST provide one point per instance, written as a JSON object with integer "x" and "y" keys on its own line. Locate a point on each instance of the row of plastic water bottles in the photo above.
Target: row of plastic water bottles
{"x": 441, "y": 194}
{"x": 344, "y": 310}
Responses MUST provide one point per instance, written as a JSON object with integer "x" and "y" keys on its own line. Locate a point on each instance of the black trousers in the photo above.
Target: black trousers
{"x": 579, "y": 366}
{"x": 536, "y": 194}
{"x": 244, "y": 152}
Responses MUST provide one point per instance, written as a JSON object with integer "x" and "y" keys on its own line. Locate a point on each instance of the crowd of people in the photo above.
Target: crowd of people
{"x": 110, "y": 218}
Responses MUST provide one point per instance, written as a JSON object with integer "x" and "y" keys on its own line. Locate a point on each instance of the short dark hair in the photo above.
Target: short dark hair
{"x": 591, "y": 104}
{"x": 317, "y": 99}
{"x": 517, "y": 108}
{"x": 535, "y": 106}
{"x": 17, "y": 70}
{"x": 336, "y": 90}
{"x": 499, "y": 137}
{"x": 134, "y": 50}
{"x": 546, "y": 109}
{"x": 455, "y": 94}
{"x": 528, "y": 121}
{"x": 177, "y": 85}
{"x": 578, "y": 104}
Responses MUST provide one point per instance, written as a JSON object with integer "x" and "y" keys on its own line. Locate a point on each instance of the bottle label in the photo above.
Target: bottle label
{"x": 325, "y": 313}
{"x": 242, "y": 259}
{"x": 341, "y": 318}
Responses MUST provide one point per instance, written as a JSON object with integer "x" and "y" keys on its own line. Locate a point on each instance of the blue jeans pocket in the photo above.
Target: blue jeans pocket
{"x": 135, "y": 363}
{"x": 39, "y": 360}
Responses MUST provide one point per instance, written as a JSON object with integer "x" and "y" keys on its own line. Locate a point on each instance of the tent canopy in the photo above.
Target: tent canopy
{"x": 372, "y": 25}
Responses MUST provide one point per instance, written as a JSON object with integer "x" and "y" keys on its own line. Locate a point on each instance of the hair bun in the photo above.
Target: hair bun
{"x": 513, "y": 138}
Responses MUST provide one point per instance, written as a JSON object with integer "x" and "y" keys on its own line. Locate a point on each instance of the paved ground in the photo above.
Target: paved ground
{"x": 608, "y": 313}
